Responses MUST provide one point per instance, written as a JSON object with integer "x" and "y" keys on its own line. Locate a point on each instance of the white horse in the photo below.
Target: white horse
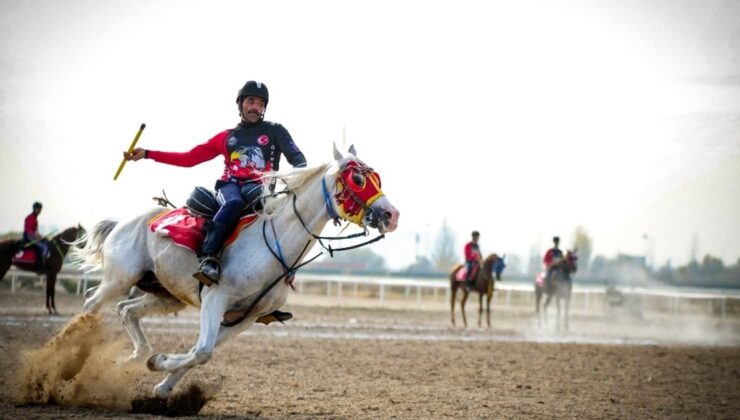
{"x": 251, "y": 284}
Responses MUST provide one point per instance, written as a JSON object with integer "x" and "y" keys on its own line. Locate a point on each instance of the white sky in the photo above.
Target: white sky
{"x": 620, "y": 116}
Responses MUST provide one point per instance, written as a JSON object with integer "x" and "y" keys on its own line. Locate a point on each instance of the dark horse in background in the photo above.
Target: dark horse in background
{"x": 483, "y": 284}
{"x": 58, "y": 247}
{"x": 560, "y": 285}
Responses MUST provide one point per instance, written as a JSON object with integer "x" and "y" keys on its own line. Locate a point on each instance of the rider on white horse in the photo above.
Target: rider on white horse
{"x": 251, "y": 149}
{"x": 552, "y": 257}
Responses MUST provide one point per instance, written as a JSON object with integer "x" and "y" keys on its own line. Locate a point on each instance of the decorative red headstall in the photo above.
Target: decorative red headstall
{"x": 358, "y": 186}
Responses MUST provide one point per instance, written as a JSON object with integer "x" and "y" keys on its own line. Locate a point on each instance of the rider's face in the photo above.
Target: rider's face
{"x": 253, "y": 107}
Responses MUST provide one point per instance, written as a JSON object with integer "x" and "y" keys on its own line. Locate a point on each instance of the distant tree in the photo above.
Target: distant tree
{"x": 445, "y": 254}
{"x": 599, "y": 265}
{"x": 362, "y": 260}
{"x": 666, "y": 272}
{"x": 534, "y": 265}
{"x": 712, "y": 268}
{"x": 422, "y": 265}
{"x": 11, "y": 235}
{"x": 513, "y": 264}
{"x": 583, "y": 242}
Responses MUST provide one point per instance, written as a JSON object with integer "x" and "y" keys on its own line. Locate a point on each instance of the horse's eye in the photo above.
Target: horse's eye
{"x": 358, "y": 180}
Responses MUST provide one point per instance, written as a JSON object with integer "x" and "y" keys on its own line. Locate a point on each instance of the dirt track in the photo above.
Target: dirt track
{"x": 373, "y": 363}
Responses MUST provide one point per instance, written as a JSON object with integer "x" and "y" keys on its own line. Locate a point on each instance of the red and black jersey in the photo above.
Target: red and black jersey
{"x": 248, "y": 150}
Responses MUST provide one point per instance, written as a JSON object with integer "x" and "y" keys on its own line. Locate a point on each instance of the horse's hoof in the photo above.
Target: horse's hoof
{"x": 153, "y": 362}
{"x": 162, "y": 391}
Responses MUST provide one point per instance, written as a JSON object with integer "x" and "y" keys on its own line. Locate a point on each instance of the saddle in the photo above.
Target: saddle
{"x": 185, "y": 225}
{"x": 27, "y": 255}
{"x": 462, "y": 273}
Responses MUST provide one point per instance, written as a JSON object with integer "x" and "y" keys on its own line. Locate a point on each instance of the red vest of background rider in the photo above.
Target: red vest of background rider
{"x": 552, "y": 256}
{"x": 472, "y": 258}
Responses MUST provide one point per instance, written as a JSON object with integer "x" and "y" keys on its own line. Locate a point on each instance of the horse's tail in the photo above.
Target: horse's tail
{"x": 90, "y": 255}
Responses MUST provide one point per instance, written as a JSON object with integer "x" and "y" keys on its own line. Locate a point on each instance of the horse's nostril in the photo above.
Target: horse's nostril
{"x": 387, "y": 215}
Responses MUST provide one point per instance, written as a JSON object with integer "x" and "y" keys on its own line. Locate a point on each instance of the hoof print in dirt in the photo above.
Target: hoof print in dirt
{"x": 188, "y": 403}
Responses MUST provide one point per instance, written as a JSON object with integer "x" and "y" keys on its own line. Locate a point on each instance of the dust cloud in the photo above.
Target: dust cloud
{"x": 84, "y": 365}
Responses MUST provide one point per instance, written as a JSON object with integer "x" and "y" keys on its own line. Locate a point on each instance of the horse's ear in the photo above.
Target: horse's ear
{"x": 352, "y": 150}
{"x": 337, "y": 153}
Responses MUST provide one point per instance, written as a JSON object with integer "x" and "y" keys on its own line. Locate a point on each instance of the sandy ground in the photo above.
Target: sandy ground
{"x": 350, "y": 362}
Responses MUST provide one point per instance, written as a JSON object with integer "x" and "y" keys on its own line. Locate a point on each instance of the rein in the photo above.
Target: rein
{"x": 290, "y": 270}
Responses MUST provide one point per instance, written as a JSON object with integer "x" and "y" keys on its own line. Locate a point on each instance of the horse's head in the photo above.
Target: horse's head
{"x": 497, "y": 265}
{"x": 359, "y": 198}
{"x": 571, "y": 260}
{"x": 71, "y": 234}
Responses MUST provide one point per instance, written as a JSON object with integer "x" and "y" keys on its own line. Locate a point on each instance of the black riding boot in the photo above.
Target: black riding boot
{"x": 210, "y": 265}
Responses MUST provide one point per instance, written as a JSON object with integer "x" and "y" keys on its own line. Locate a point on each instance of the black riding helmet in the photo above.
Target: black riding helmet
{"x": 252, "y": 88}
{"x": 37, "y": 205}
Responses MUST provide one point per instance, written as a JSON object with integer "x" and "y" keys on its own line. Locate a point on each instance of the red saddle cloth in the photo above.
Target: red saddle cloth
{"x": 25, "y": 256}
{"x": 186, "y": 230}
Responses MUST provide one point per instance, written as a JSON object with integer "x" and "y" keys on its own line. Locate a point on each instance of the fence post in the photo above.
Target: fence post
{"x": 724, "y": 299}
{"x": 12, "y": 283}
{"x": 508, "y": 298}
{"x": 339, "y": 291}
{"x": 382, "y": 293}
{"x": 418, "y": 295}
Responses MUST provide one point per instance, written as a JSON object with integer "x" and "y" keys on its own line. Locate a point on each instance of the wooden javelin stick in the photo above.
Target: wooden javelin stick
{"x": 130, "y": 149}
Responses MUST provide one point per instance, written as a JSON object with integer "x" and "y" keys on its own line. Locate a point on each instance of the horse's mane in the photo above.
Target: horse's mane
{"x": 275, "y": 205}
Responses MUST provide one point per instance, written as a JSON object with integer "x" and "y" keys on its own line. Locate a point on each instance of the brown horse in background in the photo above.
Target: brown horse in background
{"x": 483, "y": 284}
{"x": 58, "y": 246}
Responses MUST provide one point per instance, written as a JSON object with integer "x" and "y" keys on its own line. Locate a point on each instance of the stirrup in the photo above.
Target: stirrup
{"x": 275, "y": 315}
{"x": 204, "y": 277}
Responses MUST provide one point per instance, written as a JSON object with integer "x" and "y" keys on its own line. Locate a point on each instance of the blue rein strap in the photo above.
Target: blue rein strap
{"x": 281, "y": 258}
{"x": 329, "y": 204}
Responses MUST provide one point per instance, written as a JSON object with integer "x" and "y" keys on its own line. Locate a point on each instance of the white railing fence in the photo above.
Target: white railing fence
{"x": 385, "y": 291}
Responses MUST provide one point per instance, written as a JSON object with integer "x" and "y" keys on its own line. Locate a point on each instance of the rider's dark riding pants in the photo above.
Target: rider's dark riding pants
{"x": 229, "y": 195}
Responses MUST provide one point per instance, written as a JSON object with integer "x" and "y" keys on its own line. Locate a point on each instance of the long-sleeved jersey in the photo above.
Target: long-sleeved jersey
{"x": 550, "y": 256}
{"x": 249, "y": 150}
{"x": 472, "y": 251}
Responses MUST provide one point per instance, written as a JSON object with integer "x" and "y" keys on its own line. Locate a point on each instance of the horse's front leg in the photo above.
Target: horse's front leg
{"x": 211, "y": 314}
{"x": 462, "y": 307}
{"x": 164, "y": 388}
{"x": 548, "y": 298}
{"x": 488, "y": 308}
{"x": 480, "y": 309}
{"x": 51, "y": 279}
{"x": 453, "y": 295}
